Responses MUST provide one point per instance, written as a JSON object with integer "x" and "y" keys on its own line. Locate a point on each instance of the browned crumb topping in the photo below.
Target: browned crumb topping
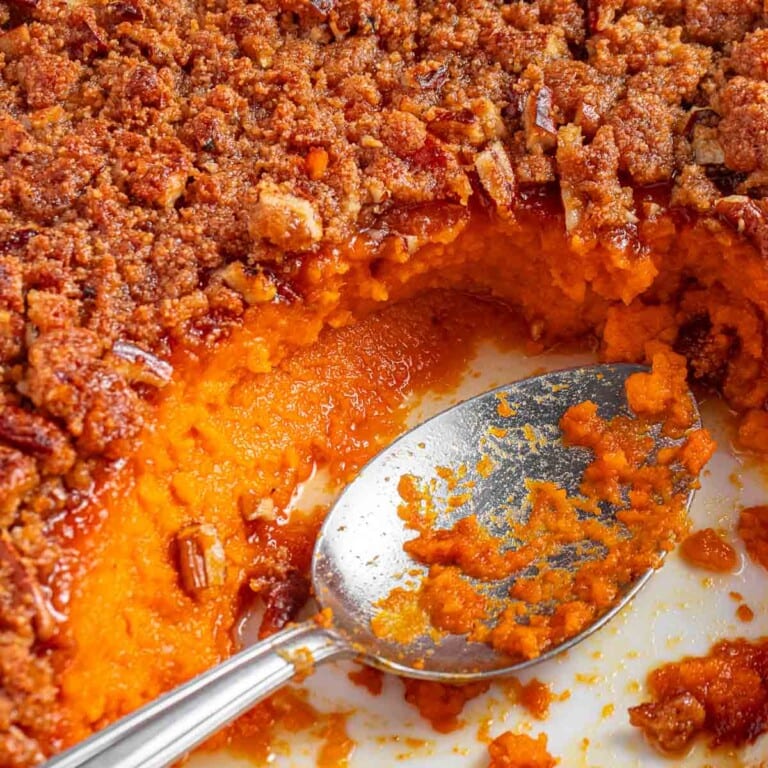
{"x": 161, "y": 163}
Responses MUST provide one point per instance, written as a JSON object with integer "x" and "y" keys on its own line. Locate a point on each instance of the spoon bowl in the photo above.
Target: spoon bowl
{"x": 359, "y": 556}
{"x": 359, "y": 559}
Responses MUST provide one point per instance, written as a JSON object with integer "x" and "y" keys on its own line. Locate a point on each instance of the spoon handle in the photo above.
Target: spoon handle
{"x": 165, "y": 730}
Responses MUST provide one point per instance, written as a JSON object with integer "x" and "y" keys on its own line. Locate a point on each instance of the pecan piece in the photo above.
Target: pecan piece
{"x": 254, "y": 286}
{"x": 538, "y": 122}
{"x": 456, "y": 126}
{"x": 18, "y": 476}
{"x": 747, "y": 216}
{"x": 284, "y": 219}
{"x": 126, "y": 10}
{"x": 38, "y": 437}
{"x": 283, "y": 600}
{"x": 144, "y": 366}
{"x": 706, "y": 146}
{"x": 496, "y": 175}
{"x": 28, "y": 587}
{"x": 87, "y": 37}
{"x": 202, "y": 561}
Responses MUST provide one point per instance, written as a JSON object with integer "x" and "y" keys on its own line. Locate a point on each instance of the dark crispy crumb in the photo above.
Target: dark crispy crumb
{"x": 161, "y": 162}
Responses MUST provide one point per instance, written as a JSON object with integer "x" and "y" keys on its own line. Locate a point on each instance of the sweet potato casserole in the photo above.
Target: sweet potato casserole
{"x": 234, "y": 236}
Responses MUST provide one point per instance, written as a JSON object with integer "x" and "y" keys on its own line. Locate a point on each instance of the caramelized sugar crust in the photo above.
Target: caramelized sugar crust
{"x": 171, "y": 170}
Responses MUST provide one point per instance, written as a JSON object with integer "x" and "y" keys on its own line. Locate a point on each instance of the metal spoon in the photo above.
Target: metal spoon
{"x": 359, "y": 559}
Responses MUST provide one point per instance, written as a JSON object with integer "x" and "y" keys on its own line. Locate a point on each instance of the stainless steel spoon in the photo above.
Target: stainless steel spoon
{"x": 359, "y": 559}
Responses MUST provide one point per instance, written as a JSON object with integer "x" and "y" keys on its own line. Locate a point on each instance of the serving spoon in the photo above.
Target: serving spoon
{"x": 359, "y": 559}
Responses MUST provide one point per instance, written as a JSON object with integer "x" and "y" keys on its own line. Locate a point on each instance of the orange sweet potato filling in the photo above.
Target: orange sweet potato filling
{"x": 322, "y": 383}
{"x": 227, "y": 433}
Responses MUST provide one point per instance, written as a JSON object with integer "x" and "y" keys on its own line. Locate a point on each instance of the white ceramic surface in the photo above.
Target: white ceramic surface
{"x": 682, "y": 611}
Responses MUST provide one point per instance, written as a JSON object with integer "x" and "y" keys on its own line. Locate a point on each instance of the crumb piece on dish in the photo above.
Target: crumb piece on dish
{"x": 723, "y": 695}
{"x": 534, "y": 696}
{"x": 707, "y": 549}
{"x": 518, "y": 750}
{"x": 369, "y": 678}
{"x": 439, "y": 703}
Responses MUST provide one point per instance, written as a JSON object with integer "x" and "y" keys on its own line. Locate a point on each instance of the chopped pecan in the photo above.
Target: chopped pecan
{"x": 284, "y": 219}
{"x": 87, "y": 38}
{"x": 283, "y": 600}
{"x": 145, "y": 367}
{"x": 456, "y": 126}
{"x": 755, "y": 185}
{"x": 700, "y": 116}
{"x": 29, "y": 588}
{"x": 747, "y": 216}
{"x": 430, "y": 75}
{"x": 126, "y": 10}
{"x": 254, "y": 286}
{"x": 18, "y": 476}
{"x": 201, "y": 558}
{"x": 496, "y": 175}
{"x": 538, "y": 121}
{"x": 707, "y": 149}
{"x": 670, "y": 725}
{"x": 38, "y": 437}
